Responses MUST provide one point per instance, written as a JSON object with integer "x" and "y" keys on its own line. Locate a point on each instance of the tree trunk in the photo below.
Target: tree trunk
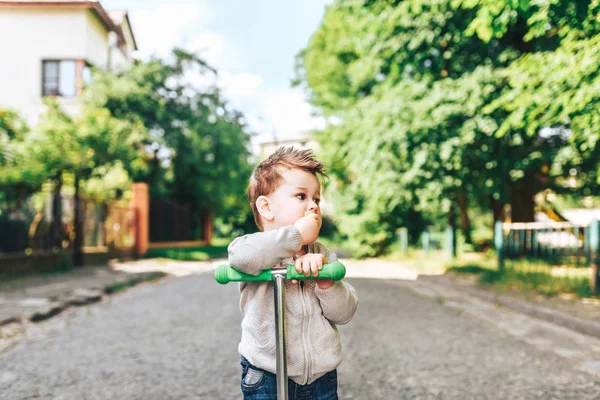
{"x": 452, "y": 225}
{"x": 522, "y": 202}
{"x": 79, "y": 207}
{"x": 465, "y": 221}
{"x": 415, "y": 225}
{"x": 207, "y": 225}
{"x": 56, "y": 231}
{"x": 497, "y": 210}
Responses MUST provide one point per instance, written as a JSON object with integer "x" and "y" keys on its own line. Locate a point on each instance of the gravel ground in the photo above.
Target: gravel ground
{"x": 177, "y": 339}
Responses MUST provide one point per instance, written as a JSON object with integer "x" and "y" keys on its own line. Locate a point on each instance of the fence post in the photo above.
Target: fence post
{"x": 450, "y": 242}
{"x": 425, "y": 241}
{"x": 529, "y": 240}
{"x": 141, "y": 205}
{"x": 586, "y": 244}
{"x": 403, "y": 240}
{"x": 78, "y": 225}
{"x": 207, "y": 222}
{"x": 499, "y": 243}
{"x": 594, "y": 239}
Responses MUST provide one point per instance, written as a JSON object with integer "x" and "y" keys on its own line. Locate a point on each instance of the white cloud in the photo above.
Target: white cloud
{"x": 209, "y": 46}
{"x": 159, "y": 29}
{"x": 288, "y": 113}
{"x": 281, "y": 111}
{"x": 237, "y": 86}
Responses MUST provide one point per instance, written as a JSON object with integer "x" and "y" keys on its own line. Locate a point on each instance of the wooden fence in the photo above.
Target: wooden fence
{"x": 44, "y": 233}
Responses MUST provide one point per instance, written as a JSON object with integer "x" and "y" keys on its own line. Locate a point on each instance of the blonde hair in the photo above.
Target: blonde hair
{"x": 266, "y": 177}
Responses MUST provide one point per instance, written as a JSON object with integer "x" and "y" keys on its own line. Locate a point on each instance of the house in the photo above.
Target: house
{"x": 48, "y": 47}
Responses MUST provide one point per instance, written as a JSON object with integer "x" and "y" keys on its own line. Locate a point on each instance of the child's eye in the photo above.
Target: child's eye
{"x": 317, "y": 201}
{"x": 301, "y": 196}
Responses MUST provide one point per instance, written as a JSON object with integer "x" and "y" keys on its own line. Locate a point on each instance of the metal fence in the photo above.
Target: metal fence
{"x": 558, "y": 243}
{"x": 555, "y": 244}
{"x": 430, "y": 240}
{"x": 27, "y": 227}
{"x": 173, "y": 222}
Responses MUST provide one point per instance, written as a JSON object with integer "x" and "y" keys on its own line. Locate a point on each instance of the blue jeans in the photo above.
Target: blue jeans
{"x": 262, "y": 385}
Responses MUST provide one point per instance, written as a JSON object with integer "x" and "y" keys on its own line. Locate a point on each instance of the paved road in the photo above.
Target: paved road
{"x": 177, "y": 339}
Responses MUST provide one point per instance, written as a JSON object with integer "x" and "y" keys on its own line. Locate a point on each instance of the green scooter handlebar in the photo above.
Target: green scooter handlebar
{"x": 225, "y": 274}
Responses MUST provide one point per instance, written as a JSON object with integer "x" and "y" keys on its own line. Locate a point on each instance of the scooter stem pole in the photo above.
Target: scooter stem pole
{"x": 279, "y": 292}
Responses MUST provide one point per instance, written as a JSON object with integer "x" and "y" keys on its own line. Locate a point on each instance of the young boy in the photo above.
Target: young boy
{"x": 284, "y": 193}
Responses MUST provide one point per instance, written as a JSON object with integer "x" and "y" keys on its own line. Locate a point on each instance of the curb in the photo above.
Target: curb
{"x": 591, "y": 328}
{"x": 80, "y": 297}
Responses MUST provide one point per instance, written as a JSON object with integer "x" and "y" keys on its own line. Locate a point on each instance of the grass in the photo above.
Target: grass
{"x": 521, "y": 276}
{"x": 530, "y": 278}
{"x": 436, "y": 262}
{"x": 217, "y": 249}
{"x": 121, "y": 286}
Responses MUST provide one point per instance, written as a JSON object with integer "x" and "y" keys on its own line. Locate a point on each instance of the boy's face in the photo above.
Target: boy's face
{"x": 300, "y": 192}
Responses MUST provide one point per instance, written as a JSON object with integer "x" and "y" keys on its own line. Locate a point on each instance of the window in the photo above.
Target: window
{"x": 64, "y": 77}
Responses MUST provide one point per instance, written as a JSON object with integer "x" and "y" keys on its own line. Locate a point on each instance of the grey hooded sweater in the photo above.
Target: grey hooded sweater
{"x": 313, "y": 343}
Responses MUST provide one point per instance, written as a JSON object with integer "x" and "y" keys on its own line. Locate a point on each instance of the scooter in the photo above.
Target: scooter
{"x": 225, "y": 274}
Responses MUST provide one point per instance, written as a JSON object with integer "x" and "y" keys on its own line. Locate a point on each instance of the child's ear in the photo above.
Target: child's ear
{"x": 263, "y": 205}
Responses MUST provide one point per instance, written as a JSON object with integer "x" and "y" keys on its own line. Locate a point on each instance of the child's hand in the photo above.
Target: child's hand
{"x": 309, "y": 227}
{"x": 311, "y": 264}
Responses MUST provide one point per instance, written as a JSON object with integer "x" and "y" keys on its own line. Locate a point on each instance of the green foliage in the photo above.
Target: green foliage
{"x": 195, "y": 148}
{"x": 430, "y": 101}
{"x": 86, "y": 144}
{"x": 560, "y": 92}
{"x": 20, "y": 175}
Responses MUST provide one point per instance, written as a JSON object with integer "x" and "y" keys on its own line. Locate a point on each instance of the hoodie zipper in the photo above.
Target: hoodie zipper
{"x": 305, "y": 342}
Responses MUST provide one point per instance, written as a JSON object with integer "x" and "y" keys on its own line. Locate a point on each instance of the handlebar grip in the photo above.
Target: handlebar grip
{"x": 225, "y": 274}
{"x": 335, "y": 271}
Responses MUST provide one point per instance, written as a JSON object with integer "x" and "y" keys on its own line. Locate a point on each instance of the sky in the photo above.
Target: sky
{"x": 252, "y": 43}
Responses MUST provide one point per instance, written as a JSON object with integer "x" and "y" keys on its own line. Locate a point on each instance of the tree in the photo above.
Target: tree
{"x": 196, "y": 147}
{"x": 20, "y": 175}
{"x": 87, "y": 145}
{"x": 418, "y": 93}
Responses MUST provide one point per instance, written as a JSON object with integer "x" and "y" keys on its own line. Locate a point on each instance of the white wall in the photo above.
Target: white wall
{"x": 118, "y": 60}
{"x": 30, "y": 35}
{"x": 27, "y": 37}
{"x": 96, "y": 41}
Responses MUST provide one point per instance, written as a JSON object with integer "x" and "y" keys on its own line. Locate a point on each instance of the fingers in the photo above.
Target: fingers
{"x": 308, "y": 227}
{"x": 306, "y": 265}
{"x": 311, "y": 264}
{"x": 298, "y": 265}
{"x": 312, "y": 217}
{"x": 316, "y": 265}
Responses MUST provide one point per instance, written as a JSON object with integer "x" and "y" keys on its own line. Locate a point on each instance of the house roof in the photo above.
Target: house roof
{"x": 110, "y": 22}
{"x": 120, "y": 17}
